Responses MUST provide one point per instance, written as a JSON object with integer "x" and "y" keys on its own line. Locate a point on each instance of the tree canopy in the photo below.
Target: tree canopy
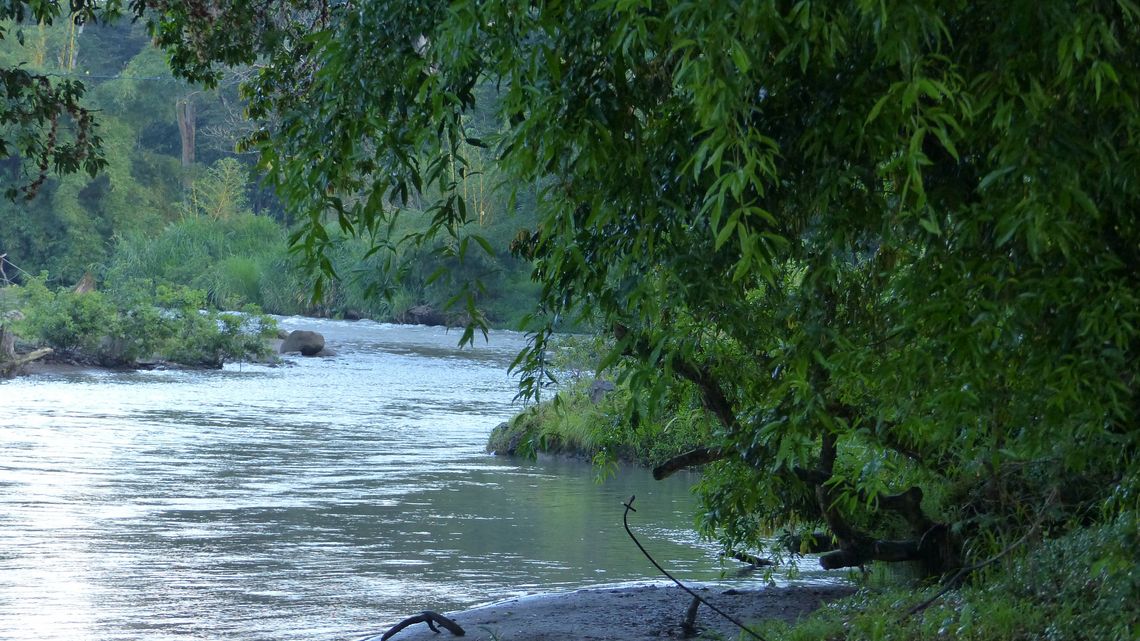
{"x": 891, "y": 245}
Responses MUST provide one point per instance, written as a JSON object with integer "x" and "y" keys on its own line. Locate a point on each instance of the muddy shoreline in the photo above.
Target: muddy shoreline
{"x": 622, "y": 613}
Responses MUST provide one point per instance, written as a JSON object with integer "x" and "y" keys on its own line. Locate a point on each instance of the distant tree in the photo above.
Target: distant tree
{"x": 61, "y": 218}
{"x": 43, "y": 121}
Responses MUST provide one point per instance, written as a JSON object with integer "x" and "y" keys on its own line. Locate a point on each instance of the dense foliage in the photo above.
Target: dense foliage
{"x": 891, "y": 245}
{"x": 68, "y": 225}
{"x": 1078, "y": 586}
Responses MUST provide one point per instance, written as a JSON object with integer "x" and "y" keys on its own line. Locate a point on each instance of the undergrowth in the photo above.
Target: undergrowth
{"x": 1084, "y": 585}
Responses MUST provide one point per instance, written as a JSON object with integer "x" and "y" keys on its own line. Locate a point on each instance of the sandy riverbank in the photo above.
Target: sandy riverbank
{"x": 627, "y": 613}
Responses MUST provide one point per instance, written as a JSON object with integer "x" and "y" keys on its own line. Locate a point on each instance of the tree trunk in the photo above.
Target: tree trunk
{"x": 7, "y": 345}
{"x": 186, "y": 129}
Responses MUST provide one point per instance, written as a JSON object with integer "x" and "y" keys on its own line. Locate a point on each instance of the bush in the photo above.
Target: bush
{"x": 575, "y": 424}
{"x": 207, "y": 338}
{"x": 139, "y": 322}
{"x": 67, "y": 321}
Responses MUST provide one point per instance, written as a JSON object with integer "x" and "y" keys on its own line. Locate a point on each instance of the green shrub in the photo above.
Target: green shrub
{"x": 67, "y": 321}
{"x": 139, "y": 322}
{"x": 206, "y": 338}
{"x": 574, "y": 424}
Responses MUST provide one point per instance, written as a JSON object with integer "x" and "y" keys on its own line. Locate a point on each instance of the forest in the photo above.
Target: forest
{"x": 175, "y": 203}
{"x": 885, "y": 254}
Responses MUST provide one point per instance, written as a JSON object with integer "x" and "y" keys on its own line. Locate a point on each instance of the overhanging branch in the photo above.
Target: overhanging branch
{"x": 692, "y": 458}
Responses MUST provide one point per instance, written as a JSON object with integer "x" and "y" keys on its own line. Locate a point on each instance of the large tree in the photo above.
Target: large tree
{"x": 891, "y": 244}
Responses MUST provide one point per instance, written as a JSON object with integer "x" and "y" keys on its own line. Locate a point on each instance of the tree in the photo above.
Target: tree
{"x": 68, "y": 224}
{"x": 44, "y": 122}
{"x": 892, "y": 245}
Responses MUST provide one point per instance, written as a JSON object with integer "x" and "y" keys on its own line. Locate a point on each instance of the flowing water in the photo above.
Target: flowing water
{"x": 322, "y": 500}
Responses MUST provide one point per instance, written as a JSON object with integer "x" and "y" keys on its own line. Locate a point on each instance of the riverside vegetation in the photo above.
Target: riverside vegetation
{"x": 144, "y": 326}
{"x": 887, "y": 251}
{"x": 1079, "y": 584}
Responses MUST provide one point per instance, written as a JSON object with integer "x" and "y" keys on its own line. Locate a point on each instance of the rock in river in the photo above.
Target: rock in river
{"x": 304, "y": 341}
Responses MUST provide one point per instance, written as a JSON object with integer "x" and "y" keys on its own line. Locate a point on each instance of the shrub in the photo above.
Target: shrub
{"x": 140, "y": 321}
{"x": 1084, "y": 585}
{"x": 67, "y": 321}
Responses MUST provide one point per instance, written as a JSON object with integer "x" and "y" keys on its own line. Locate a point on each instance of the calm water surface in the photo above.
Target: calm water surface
{"x": 323, "y": 500}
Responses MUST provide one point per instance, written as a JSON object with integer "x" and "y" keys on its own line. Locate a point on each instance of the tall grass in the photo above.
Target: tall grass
{"x": 240, "y": 259}
{"x": 228, "y": 258}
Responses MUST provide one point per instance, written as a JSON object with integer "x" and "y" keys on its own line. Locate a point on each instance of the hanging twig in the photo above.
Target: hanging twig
{"x": 625, "y": 522}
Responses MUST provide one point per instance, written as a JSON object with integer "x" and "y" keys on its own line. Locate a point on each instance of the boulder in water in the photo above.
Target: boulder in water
{"x": 303, "y": 341}
{"x": 422, "y": 315}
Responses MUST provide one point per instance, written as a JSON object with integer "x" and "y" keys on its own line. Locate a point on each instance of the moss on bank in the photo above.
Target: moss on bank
{"x": 583, "y": 422}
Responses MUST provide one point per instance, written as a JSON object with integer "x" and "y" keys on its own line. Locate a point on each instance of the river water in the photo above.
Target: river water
{"x": 326, "y": 499}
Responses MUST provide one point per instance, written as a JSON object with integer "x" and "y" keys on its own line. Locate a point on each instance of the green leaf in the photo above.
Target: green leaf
{"x": 930, "y": 225}
{"x": 740, "y": 57}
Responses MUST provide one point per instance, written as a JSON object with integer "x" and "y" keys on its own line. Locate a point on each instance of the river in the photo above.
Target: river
{"x": 325, "y": 499}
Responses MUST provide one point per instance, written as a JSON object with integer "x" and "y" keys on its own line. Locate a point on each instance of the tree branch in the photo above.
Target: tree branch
{"x": 699, "y": 456}
{"x": 11, "y": 367}
{"x": 869, "y": 550}
{"x": 430, "y": 618}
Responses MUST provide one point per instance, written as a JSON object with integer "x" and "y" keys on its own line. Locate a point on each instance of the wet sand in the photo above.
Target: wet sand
{"x": 628, "y": 613}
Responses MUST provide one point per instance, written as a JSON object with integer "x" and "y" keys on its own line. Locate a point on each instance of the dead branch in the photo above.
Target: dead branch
{"x": 689, "y": 624}
{"x": 430, "y": 618}
{"x": 696, "y": 597}
{"x": 750, "y": 559}
{"x": 12, "y": 367}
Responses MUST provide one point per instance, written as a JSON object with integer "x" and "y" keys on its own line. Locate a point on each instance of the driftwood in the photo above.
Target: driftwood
{"x": 7, "y": 344}
{"x": 9, "y": 368}
{"x": 430, "y": 618}
{"x": 749, "y": 558}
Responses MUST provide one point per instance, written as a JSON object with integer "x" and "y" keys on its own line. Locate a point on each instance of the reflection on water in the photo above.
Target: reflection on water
{"x": 318, "y": 501}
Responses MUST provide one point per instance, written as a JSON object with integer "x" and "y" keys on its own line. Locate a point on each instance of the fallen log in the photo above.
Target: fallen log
{"x": 10, "y": 368}
{"x": 430, "y": 618}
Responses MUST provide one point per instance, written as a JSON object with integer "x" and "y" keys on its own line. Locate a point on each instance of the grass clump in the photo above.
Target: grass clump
{"x": 586, "y": 423}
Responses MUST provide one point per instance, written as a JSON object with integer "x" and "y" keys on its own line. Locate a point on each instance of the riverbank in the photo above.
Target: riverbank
{"x": 625, "y": 613}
